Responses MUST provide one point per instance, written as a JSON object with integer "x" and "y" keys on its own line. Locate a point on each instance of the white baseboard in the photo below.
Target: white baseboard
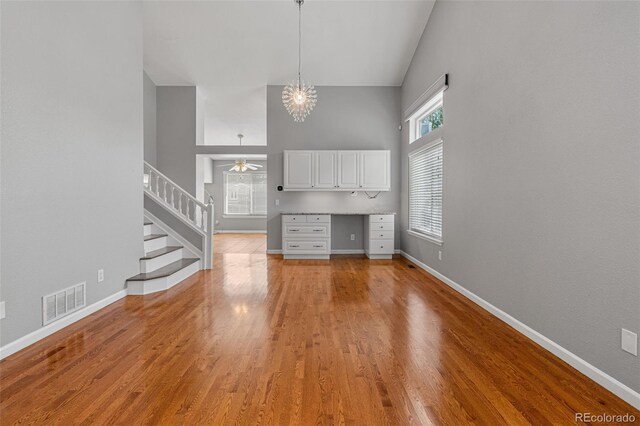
{"x": 347, "y": 251}
{"x": 173, "y": 234}
{"x": 334, "y": 251}
{"x": 595, "y": 374}
{"x": 47, "y": 330}
{"x": 239, "y": 232}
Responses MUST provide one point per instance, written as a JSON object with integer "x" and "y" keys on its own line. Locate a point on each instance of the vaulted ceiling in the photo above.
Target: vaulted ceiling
{"x": 231, "y": 50}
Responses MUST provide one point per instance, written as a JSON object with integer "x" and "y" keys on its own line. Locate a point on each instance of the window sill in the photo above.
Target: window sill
{"x": 433, "y": 240}
{"x": 242, "y": 216}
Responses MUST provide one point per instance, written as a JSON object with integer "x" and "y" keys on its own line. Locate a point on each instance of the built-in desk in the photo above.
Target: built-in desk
{"x": 308, "y": 235}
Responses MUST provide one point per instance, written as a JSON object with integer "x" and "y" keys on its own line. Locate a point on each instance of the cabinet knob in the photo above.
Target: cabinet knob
{"x": 381, "y": 246}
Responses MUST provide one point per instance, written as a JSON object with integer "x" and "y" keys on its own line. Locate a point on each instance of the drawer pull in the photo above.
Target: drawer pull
{"x": 381, "y": 246}
{"x": 294, "y": 230}
{"x": 316, "y": 246}
{"x": 318, "y": 230}
{"x": 294, "y": 246}
{"x": 382, "y": 235}
{"x": 382, "y": 227}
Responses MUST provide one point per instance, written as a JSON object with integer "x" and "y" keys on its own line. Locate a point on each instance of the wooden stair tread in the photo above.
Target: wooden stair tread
{"x": 160, "y": 252}
{"x": 153, "y": 236}
{"x": 165, "y": 271}
{"x": 148, "y": 223}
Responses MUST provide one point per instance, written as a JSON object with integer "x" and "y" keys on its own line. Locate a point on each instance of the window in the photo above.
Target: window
{"x": 245, "y": 194}
{"x": 425, "y": 192}
{"x": 428, "y": 118}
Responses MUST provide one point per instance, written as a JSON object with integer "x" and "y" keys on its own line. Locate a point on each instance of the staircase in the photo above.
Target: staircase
{"x": 167, "y": 262}
{"x": 163, "y": 265}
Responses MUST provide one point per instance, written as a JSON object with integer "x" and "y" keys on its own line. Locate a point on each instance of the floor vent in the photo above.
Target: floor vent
{"x": 62, "y": 303}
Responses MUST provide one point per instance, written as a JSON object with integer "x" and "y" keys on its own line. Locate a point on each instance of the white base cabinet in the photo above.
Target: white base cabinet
{"x": 379, "y": 236}
{"x": 306, "y": 236}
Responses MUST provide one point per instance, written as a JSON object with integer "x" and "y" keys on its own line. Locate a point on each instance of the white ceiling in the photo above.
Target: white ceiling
{"x": 231, "y": 50}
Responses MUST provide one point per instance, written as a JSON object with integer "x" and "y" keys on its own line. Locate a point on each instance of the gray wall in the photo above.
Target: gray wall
{"x": 344, "y": 118}
{"x": 542, "y": 165}
{"x": 217, "y": 191}
{"x": 71, "y": 167}
{"x": 176, "y": 134}
{"x": 149, "y": 120}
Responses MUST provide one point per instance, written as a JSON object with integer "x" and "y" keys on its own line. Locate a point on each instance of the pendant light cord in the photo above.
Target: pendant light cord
{"x": 299, "y": 39}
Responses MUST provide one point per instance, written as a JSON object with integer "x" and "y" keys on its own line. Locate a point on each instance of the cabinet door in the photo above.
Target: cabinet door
{"x": 348, "y": 169}
{"x": 325, "y": 169}
{"x": 298, "y": 169}
{"x": 375, "y": 170}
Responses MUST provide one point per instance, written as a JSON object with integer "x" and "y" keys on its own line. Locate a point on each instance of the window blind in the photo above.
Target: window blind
{"x": 245, "y": 194}
{"x": 425, "y": 191}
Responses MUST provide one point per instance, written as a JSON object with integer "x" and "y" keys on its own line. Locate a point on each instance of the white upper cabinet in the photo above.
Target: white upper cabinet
{"x": 298, "y": 169}
{"x": 337, "y": 170}
{"x": 348, "y": 169}
{"x": 374, "y": 170}
{"x": 325, "y": 169}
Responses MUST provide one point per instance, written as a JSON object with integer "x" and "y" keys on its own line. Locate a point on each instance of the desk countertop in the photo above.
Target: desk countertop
{"x": 341, "y": 213}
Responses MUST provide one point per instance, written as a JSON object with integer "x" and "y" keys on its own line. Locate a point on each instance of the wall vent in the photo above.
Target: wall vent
{"x": 62, "y": 303}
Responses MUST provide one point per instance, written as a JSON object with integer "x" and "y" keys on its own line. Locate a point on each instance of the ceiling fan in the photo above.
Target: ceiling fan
{"x": 241, "y": 166}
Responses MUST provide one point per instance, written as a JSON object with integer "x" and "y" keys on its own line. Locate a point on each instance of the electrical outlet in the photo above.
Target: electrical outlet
{"x": 100, "y": 275}
{"x": 277, "y": 202}
{"x": 630, "y": 342}
{"x": 3, "y": 313}
{"x": 353, "y": 237}
{"x": 439, "y": 254}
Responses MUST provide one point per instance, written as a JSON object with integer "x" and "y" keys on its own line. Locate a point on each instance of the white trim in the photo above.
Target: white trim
{"x": 47, "y": 330}
{"x": 426, "y": 237}
{"x": 169, "y": 231}
{"x": 441, "y": 84}
{"x": 239, "y": 232}
{"x": 595, "y": 374}
{"x": 243, "y": 216}
{"x": 334, "y": 251}
{"x": 347, "y": 251}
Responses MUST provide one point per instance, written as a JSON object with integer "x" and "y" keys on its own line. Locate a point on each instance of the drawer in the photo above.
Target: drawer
{"x": 381, "y": 235}
{"x": 384, "y": 226}
{"x": 376, "y": 218}
{"x": 381, "y": 247}
{"x": 306, "y": 246}
{"x": 321, "y": 218}
{"x": 294, "y": 218}
{"x": 307, "y": 230}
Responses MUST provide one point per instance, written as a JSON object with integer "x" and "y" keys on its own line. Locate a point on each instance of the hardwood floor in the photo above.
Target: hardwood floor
{"x": 240, "y": 243}
{"x": 258, "y": 340}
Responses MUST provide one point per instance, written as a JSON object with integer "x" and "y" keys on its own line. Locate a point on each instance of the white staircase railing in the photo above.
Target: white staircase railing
{"x": 194, "y": 213}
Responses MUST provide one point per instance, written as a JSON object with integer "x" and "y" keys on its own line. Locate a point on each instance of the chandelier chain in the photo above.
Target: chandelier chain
{"x": 299, "y": 40}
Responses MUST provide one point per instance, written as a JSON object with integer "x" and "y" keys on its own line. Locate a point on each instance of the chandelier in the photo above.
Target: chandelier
{"x": 298, "y": 97}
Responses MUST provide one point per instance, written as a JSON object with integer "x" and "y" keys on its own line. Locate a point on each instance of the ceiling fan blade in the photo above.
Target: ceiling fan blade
{"x": 254, "y": 165}
{"x": 225, "y": 165}
{"x": 251, "y": 167}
